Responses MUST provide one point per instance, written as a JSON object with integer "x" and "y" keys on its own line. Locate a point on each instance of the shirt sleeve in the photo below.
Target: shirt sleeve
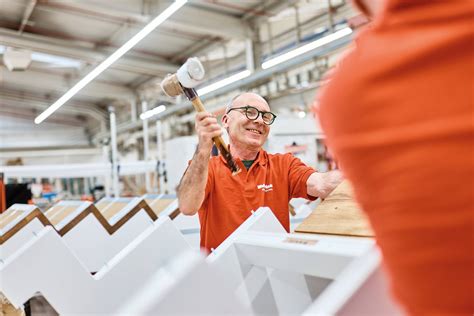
{"x": 298, "y": 174}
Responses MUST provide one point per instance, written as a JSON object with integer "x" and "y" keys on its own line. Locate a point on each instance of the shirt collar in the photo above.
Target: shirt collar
{"x": 261, "y": 159}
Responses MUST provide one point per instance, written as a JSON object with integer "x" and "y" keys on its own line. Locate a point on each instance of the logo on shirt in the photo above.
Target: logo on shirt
{"x": 265, "y": 187}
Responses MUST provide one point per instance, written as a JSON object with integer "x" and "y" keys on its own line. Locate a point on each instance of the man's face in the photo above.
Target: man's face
{"x": 245, "y": 133}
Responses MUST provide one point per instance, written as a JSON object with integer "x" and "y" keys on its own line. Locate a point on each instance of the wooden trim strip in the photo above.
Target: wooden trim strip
{"x": 92, "y": 209}
{"x": 175, "y": 213}
{"x": 36, "y": 213}
{"x": 10, "y": 215}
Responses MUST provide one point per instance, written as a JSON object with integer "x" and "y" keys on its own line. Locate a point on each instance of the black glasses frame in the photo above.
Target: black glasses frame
{"x": 263, "y": 113}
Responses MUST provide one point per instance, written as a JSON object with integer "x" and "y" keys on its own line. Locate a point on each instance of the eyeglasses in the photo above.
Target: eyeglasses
{"x": 253, "y": 114}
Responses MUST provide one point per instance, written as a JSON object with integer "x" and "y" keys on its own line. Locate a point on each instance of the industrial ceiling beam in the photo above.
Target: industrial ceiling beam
{"x": 197, "y": 48}
{"x": 55, "y": 84}
{"x": 26, "y": 15}
{"x": 191, "y": 19}
{"x": 105, "y": 12}
{"x": 13, "y": 113}
{"x": 204, "y": 22}
{"x": 271, "y": 9}
{"x": 44, "y": 44}
{"x": 253, "y": 78}
{"x": 33, "y": 103}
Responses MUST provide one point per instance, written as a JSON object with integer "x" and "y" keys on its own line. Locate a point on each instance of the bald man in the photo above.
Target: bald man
{"x": 225, "y": 201}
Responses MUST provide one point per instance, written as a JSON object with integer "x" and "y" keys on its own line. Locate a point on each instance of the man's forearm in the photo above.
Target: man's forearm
{"x": 193, "y": 184}
{"x": 321, "y": 184}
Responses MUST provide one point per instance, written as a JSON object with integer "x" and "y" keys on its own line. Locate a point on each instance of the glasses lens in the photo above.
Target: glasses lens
{"x": 267, "y": 117}
{"x": 251, "y": 112}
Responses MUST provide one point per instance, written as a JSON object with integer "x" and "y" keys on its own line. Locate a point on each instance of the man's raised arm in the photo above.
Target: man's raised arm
{"x": 192, "y": 186}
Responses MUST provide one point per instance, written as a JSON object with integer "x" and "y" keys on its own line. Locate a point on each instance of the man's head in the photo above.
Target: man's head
{"x": 245, "y": 131}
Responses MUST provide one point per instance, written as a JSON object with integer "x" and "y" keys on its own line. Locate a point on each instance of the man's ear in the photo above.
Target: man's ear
{"x": 224, "y": 120}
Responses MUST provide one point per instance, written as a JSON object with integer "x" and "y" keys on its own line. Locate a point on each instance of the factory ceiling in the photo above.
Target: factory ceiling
{"x": 62, "y": 41}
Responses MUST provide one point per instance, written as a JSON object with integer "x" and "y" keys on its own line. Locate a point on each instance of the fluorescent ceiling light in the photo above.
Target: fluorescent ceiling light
{"x": 224, "y": 82}
{"x": 55, "y": 61}
{"x": 306, "y": 48}
{"x": 111, "y": 59}
{"x": 146, "y": 115}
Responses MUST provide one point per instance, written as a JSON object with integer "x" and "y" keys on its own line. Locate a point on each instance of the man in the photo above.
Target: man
{"x": 225, "y": 201}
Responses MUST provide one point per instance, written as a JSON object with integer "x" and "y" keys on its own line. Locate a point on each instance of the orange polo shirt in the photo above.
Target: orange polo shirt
{"x": 271, "y": 181}
{"x": 398, "y": 115}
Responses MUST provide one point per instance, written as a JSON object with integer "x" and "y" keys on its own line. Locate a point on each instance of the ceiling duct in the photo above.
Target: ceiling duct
{"x": 16, "y": 59}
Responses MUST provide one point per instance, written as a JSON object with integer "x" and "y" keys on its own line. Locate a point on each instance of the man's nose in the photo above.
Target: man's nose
{"x": 260, "y": 119}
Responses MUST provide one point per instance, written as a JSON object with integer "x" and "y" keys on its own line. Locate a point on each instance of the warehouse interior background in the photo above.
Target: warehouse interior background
{"x": 47, "y": 46}
{"x": 94, "y": 220}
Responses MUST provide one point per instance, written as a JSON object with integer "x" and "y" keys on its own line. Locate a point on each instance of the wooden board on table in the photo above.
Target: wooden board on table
{"x": 338, "y": 214}
{"x": 64, "y": 212}
{"x": 159, "y": 205}
{"x": 112, "y": 209}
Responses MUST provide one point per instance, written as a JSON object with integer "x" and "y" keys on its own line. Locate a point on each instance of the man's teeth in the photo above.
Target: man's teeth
{"x": 255, "y": 131}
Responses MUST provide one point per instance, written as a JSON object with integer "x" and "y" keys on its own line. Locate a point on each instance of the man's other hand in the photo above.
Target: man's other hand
{"x": 321, "y": 184}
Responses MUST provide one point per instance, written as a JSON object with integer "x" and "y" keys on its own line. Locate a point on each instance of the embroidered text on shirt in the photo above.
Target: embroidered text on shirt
{"x": 265, "y": 187}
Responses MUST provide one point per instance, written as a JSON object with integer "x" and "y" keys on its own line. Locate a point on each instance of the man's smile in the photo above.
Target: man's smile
{"x": 254, "y": 131}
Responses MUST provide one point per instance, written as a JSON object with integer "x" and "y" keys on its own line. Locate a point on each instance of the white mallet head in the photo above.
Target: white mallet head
{"x": 189, "y": 75}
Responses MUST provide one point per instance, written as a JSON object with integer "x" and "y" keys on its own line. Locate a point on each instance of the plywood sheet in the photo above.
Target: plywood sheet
{"x": 338, "y": 214}
{"x": 65, "y": 212}
{"x": 112, "y": 209}
{"x": 7, "y": 214}
{"x": 159, "y": 205}
{"x": 54, "y": 210}
{"x": 10, "y": 216}
{"x": 101, "y": 205}
{"x": 19, "y": 219}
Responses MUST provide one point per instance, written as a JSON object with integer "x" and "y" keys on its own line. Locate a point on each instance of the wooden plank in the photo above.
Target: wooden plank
{"x": 60, "y": 212}
{"x": 112, "y": 209}
{"x": 65, "y": 212}
{"x": 159, "y": 205}
{"x": 7, "y": 214}
{"x": 24, "y": 219}
{"x": 102, "y": 205}
{"x": 6, "y": 308}
{"x": 11, "y": 216}
{"x": 55, "y": 209}
{"x": 338, "y": 214}
{"x": 91, "y": 209}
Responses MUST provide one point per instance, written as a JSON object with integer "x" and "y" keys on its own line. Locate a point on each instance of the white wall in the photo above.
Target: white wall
{"x": 290, "y": 124}
{"x": 289, "y": 129}
{"x": 305, "y": 98}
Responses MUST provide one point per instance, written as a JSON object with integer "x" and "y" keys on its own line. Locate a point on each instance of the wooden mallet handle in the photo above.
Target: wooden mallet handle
{"x": 218, "y": 141}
